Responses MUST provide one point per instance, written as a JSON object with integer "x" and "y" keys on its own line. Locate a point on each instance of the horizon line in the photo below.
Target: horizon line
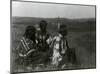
{"x": 56, "y": 17}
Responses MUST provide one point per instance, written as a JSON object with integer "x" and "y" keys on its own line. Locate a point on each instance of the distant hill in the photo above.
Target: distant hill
{"x": 86, "y": 24}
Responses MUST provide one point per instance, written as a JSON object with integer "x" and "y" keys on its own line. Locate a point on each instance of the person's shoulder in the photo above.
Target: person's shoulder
{"x": 26, "y": 40}
{"x": 57, "y": 36}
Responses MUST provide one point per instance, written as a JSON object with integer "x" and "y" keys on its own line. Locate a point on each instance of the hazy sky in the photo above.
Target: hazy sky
{"x": 30, "y": 9}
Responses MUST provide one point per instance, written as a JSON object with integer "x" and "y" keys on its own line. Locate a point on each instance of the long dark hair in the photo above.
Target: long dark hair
{"x": 63, "y": 30}
{"x": 43, "y": 25}
{"x": 30, "y": 33}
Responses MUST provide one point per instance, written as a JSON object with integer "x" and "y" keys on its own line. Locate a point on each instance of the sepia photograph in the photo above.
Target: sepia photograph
{"x": 52, "y": 36}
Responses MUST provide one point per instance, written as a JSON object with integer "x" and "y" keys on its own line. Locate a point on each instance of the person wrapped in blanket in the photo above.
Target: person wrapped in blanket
{"x": 27, "y": 47}
{"x": 61, "y": 51}
{"x": 30, "y": 50}
{"x": 44, "y": 40}
{"x": 59, "y": 45}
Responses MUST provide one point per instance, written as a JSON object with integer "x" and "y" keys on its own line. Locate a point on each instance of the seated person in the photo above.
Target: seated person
{"x": 59, "y": 45}
{"x": 68, "y": 54}
{"x": 43, "y": 39}
{"x": 27, "y": 50}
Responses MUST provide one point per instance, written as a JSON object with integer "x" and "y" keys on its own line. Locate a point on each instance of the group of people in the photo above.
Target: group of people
{"x": 37, "y": 46}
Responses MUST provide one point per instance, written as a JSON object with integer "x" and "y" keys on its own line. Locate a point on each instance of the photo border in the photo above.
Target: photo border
{"x": 51, "y": 3}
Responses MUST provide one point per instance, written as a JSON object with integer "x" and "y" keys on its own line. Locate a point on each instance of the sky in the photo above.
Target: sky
{"x": 48, "y": 10}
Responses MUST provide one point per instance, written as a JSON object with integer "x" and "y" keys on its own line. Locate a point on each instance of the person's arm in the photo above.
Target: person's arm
{"x": 65, "y": 50}
{"x": 32, "y": 50}
{"x": 23, "y": 48}
{"x": 49, "y": 40}
{"x": 24, "y": 55}
{"x": 20, "y": 54}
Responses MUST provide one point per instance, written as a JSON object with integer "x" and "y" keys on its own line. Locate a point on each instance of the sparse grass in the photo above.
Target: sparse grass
{"x": 82, "y": 40}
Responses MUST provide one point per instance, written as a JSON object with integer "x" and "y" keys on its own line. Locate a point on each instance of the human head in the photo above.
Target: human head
{"x": 63, "y": 30}
{"x": 30, "y": 32}
{"x": 43, "y": 25}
